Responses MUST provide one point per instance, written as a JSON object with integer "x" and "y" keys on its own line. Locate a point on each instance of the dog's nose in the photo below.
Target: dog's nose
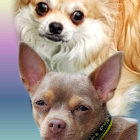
{"x": 56, "y": 126}
{"x": 55, "y": 28}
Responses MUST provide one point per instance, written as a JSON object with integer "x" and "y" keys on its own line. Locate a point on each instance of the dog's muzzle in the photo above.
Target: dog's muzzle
{"x": 55, "y": 30}
{"x": 53, "y": 37}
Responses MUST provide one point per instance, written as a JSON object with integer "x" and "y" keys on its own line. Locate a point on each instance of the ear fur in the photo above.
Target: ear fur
{"x": 106, "y": 77}
{"x": 20, "y": 3}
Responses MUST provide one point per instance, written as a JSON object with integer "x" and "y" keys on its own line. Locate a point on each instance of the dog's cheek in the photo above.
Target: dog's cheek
{"x": 44, "y": 128}
{"x": 43, "y": 132}
{"x": 84, "y": 121}
{"x": 36, "y": 117}
{"x": 82, "y": 117}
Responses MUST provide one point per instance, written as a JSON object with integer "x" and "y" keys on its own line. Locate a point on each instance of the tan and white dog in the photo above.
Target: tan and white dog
{"x": 77, "y": 35}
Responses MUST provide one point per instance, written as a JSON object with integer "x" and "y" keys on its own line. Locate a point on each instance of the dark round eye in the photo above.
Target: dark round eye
{"x": 77, "y": 17}
{"x": 42, "y": 9}
{"x": 83, "y": 108}
{"x": 40, "y": 103}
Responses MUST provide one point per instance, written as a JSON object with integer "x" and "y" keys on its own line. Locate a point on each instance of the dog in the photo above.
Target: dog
{"x": 74, "y": 106}
{"x": 78, "y": 36}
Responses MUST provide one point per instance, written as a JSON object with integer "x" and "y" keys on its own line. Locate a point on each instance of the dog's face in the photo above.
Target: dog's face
{"x": 62, "y": 108}
{"x": 68, "y": 106}
{"x": 67, "y": 22}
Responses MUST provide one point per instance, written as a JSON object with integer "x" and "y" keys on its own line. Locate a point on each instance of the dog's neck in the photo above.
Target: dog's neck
{"x": 102, "y": 130}
{"x": 64, "y": 58}
{"x": 100, "y": 126}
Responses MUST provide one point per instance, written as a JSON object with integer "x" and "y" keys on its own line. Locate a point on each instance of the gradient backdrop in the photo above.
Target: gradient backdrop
{"x": 16, "y": 121}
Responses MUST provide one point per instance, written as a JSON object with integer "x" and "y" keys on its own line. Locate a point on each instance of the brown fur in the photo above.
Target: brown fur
{"x": 63, "y": 95}
{"x": 49, "y": 95}
{"x": 122, "y": 129}
{"x": 127, "y": 36}
{"x": 74, "y": 101}
{"x": 127, "y": 39}
{"x": 21, "y": 3}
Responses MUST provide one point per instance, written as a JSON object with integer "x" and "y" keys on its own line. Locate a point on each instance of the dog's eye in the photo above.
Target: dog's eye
{"x": 40, "y": 103}
{"x": 83, "y": 108}
{"x": 42, "y": 9}
{"x": 77, "y": 17}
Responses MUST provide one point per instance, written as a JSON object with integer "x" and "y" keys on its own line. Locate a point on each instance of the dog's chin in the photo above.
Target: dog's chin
{"x": 49, "y": 138}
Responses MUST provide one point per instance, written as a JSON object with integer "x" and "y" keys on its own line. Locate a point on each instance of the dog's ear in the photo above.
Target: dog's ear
{"x": 32, "y": 67}
{"x": 106, "y": 77}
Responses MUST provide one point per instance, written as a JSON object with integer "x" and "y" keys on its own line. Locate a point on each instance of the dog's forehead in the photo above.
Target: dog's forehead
{"x": 60, "y": 3}
{"x": 65, "y": 82}
{"x": 65, "y": 86}
{"x": 59, "y": 89}
{"x": 57, "y": 1}
{"x": 69, "y": 5}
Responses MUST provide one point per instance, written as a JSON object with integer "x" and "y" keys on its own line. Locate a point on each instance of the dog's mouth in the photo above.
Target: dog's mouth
{"x": 53, "y": 37}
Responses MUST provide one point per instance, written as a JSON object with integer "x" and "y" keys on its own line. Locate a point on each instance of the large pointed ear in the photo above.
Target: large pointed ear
{"x": 32, "y": 67}
{"x": 106, "y": 77}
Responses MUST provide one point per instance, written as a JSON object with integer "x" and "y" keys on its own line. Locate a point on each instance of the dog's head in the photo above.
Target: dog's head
{"x": 67, "y": 22}
{"x": 68, "y": 106}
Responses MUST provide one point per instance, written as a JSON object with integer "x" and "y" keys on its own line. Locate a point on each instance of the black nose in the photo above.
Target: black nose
{"x": 55, "y": 28}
